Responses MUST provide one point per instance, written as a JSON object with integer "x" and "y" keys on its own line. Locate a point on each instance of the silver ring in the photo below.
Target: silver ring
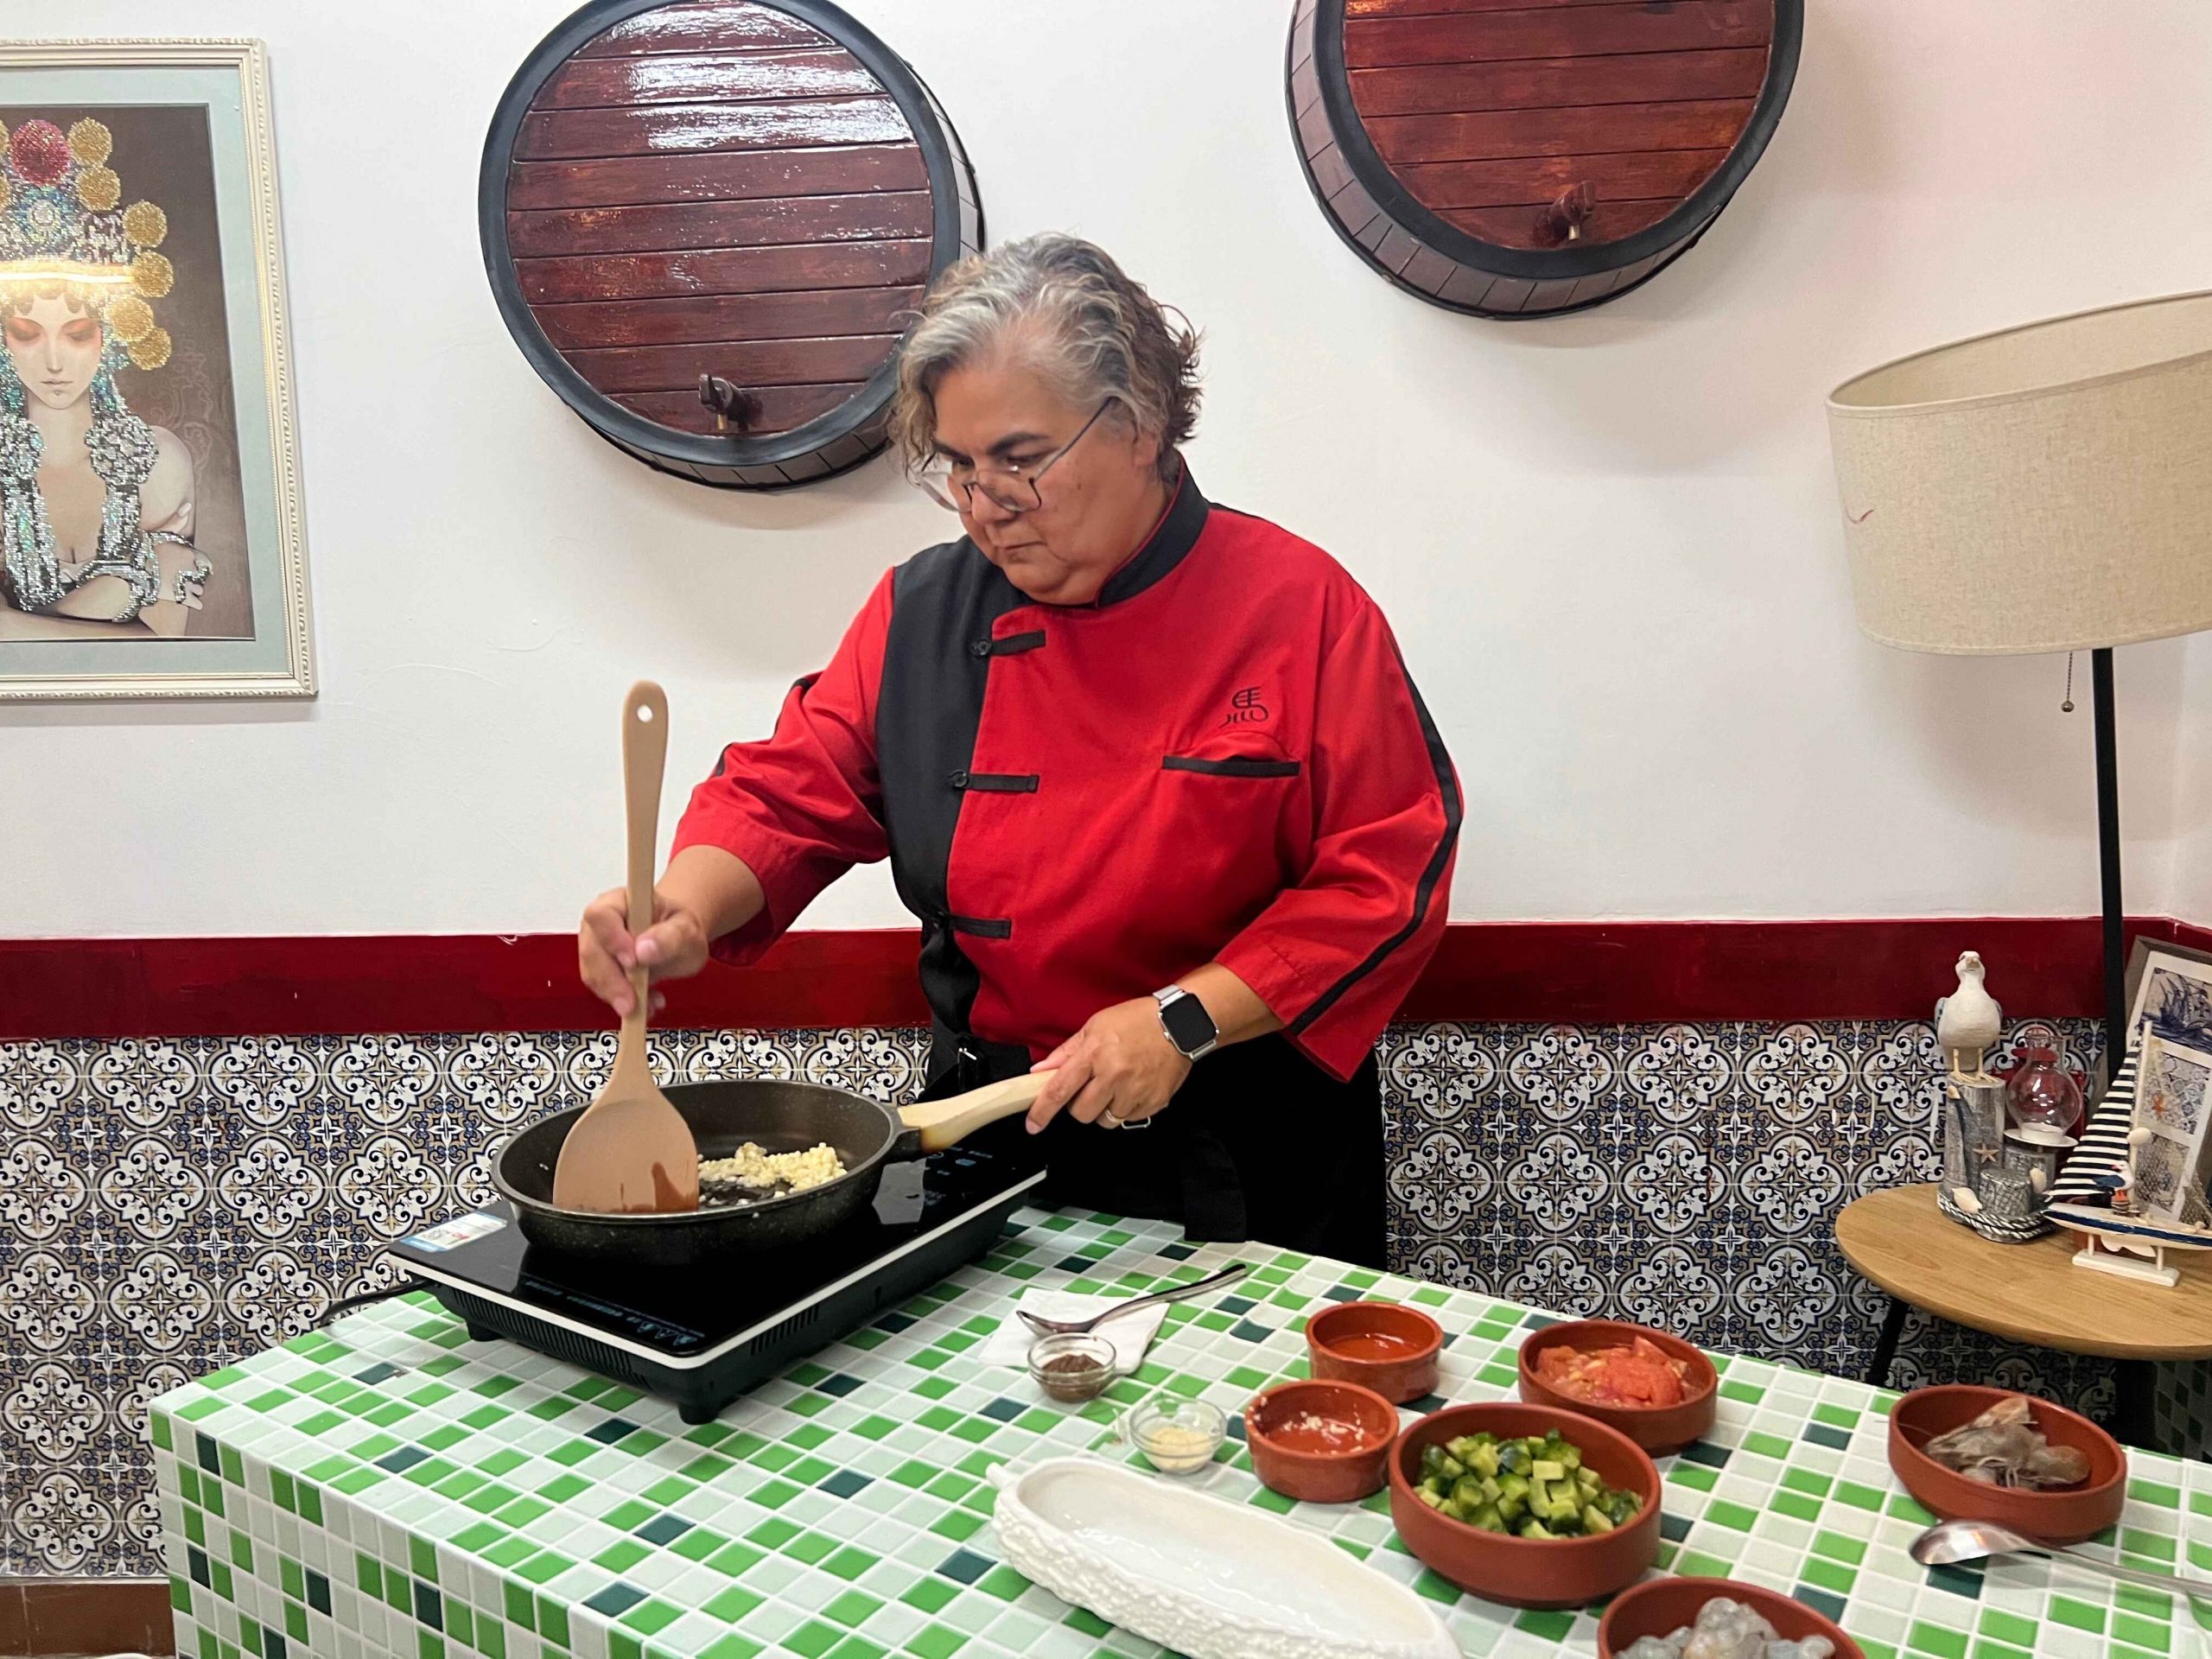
{"x": 1137, "y": 1123}
{"x": 1108, "y": 1121}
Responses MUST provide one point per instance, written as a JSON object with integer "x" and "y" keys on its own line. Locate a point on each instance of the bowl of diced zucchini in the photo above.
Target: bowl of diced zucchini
{"x": 1524, "y": 1504}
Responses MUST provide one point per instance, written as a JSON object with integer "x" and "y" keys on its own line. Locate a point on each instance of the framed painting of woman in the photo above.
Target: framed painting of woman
{"x": 151, "y": 534}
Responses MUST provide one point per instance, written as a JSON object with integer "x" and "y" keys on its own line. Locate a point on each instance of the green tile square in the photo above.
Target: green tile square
{"x": 2001, "y": 1626}
{"x": 1797, "y": 1504}
{"x": 813, "y": 1639}
{"x": 733, "y": 1646}
{"x": 562, "y": 1487}
{"x": 522, "y": 1606}
{"x": 1829, "y": 1575}
{"x": 1694, "y": 1475}
{"x": 544, "y": 1567}
{"x": 553, "y": 1622}
{"x": 650, "y": 1616}
{"x": 699, "y": 1544}
{"x": 959, "y": 1526}
{"x": 1734, "y": 1516}
{"x": 1859, "y": 1498}
{"x": 1837, "y": 1547}
{"x": 774, "y": 1495}
{"x": 1808, "y": 1482}
{"x": 423, "y": 1557}
{"x": 630, "y": 1515}
{"x": 853, "y": 1609}
{"x": 368, "y": 1576}
{"x": 850, "y": 1563}
{"x": 2126, "y": 1627}
{"x": 774, "y": 1533}
{"x": 1767, "y": 1445}
{"x": 732, "y": 1604}
{"x": 1003, "y": 1582}
{"x": 874, "y": 1428}
{"x": 811, "y": 1548}
{"x": 1692, "y": 1565}
{"x": 1924, "y": 1637}
{"x": 621, "y": 1556}
{"x": 929, "y": 1595}
{"x": 1552, "y": 1626}
{"x": 1845, "y": 1417}
{"x": 733, "y": 1558}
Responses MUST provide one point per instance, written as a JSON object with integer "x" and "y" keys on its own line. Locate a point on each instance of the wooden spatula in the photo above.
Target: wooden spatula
{"x": 631, "y": 1150}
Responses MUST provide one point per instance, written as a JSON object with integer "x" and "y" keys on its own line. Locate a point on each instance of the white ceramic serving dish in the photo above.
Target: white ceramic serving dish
{"x": 1203, "y": 1577}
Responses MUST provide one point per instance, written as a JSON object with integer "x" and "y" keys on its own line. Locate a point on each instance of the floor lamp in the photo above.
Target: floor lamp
{"x": 2044, "y": 489}
{"x": 2047, "y": 488}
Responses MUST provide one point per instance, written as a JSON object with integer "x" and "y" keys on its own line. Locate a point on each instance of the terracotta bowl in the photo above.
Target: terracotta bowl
{"x": 1656, "y": 1429}
{"x": 1380, "y": 1345}
{"x": 2066, "y": 1516}
{"x": 1312, "y": 1476}
{"x": 1529, "y": 1572}
{"x": 1667, "y": 1604}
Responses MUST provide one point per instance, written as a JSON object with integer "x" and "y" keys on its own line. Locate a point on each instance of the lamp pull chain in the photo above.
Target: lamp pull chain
{"x": 2067, "y": 707}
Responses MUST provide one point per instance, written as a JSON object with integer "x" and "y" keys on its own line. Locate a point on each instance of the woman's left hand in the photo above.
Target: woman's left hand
{"x": 1119, "y": 1069}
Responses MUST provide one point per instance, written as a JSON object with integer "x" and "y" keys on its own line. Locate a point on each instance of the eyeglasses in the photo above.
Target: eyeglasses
{"x": 952, "y": 484}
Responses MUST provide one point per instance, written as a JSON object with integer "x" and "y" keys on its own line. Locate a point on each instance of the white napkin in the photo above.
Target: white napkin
{"x": 1131, "y": 1334}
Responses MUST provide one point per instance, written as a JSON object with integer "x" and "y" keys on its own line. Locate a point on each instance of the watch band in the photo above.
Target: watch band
{"x": 1174, "y": 996}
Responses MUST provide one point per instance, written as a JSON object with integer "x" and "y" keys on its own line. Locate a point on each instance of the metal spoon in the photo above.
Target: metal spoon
{"x": 1079, "y": 1327}
{"x": 1948, "y": 1542}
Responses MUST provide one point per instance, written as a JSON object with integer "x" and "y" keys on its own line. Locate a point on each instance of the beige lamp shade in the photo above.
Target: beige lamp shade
{"x": 2046, "y": 488}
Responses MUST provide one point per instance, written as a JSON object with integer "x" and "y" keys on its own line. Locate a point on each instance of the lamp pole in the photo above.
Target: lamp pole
{"x": 2108, "y": 852}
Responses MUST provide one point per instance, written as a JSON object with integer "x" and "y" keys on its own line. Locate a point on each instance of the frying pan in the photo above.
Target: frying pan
{"x": 778, "y": 1117}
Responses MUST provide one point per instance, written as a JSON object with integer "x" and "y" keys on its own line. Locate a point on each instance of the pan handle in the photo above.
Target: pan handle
{"x": 941, "y": 1123}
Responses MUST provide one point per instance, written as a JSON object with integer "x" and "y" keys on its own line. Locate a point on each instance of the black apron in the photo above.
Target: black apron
{"x": 1259, "y": 1143}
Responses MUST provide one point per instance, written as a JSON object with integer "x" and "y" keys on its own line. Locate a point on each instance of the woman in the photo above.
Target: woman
{"x": 1150, "y": 772}
{"x": 95, "y": 504}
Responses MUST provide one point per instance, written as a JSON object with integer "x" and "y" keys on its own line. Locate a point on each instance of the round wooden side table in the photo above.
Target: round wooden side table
{"x": 2027, "y": 1293}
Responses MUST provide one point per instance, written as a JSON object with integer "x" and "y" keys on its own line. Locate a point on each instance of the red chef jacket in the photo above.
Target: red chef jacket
{"x": 1222, "y": 758}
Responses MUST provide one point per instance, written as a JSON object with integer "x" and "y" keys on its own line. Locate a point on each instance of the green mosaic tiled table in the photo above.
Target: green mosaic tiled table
{"x": 392, "y": 1488}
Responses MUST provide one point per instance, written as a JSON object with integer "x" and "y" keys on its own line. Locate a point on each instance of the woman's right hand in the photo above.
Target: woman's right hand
{"x": 673, "y": 947}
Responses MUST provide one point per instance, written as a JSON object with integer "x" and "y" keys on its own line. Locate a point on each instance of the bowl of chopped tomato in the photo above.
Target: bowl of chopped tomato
{"x": 1656, "y": 1389}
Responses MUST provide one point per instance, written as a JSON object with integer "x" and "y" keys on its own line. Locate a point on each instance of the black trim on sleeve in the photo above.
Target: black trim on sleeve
{"x": 995, "y": 783}
{"x": 1014, "y": 643}
{"x": 1231, "y": 766}
{"x": 1447, "y": 786}
{"x": 984, "y": 927}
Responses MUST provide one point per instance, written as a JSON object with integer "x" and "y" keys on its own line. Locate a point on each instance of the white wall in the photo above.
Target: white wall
{"x": 1609, "y": 542}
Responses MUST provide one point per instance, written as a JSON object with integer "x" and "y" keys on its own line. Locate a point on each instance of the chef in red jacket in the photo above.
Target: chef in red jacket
{"x": 1150, "y": 772}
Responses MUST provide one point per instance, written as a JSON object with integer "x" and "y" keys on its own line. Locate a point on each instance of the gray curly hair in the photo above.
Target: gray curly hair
{"x": 1076, "y": 316}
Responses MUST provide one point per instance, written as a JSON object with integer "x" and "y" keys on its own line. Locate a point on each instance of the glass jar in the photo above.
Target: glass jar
{"x": 2041, "y": 1098}
{"x": 1177, "y": 1436}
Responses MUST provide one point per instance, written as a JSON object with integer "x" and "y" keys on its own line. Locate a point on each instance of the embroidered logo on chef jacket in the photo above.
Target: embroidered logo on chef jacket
{"x": 1245, "y": 708}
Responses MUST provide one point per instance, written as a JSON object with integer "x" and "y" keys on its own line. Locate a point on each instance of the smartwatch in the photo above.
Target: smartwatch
{"x": 1186, "y": 1022}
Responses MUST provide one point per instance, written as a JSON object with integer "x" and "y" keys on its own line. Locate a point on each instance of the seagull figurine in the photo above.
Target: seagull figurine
{"x": 1967, "y": 1021}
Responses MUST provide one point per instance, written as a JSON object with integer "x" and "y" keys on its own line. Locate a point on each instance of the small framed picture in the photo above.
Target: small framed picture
{"x": 2170, "y": 986}
{"x": 2172, "y": 983}
{"x": 151, "y": 534}
{"x": 2172, "y": 1167}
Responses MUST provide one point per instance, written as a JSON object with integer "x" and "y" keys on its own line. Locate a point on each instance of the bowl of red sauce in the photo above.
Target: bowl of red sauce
{"x": 1380, "y": 1345}
{"x": 1656, "y": 1389}
{"x": 1320, "y": 1442}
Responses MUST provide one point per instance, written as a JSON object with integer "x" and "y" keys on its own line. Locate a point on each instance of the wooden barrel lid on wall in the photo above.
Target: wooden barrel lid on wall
{"x": 751, "y": 192}
{"x": 1517, "y": 158}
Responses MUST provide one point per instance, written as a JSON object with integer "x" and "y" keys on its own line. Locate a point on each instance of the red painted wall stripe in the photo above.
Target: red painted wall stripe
{"x": 1597, "y": 972}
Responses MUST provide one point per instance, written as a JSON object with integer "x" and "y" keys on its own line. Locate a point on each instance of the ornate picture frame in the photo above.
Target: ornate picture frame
{"x": 151, "y": 536}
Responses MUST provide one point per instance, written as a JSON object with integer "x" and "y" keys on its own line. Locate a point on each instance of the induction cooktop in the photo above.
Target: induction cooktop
{"x": 701, "y": 1339}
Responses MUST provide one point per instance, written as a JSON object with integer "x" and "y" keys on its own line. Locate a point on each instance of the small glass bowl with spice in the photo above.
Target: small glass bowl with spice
{"x": 1177, "y": 1436}
{"x": 1071, "y": 1369}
